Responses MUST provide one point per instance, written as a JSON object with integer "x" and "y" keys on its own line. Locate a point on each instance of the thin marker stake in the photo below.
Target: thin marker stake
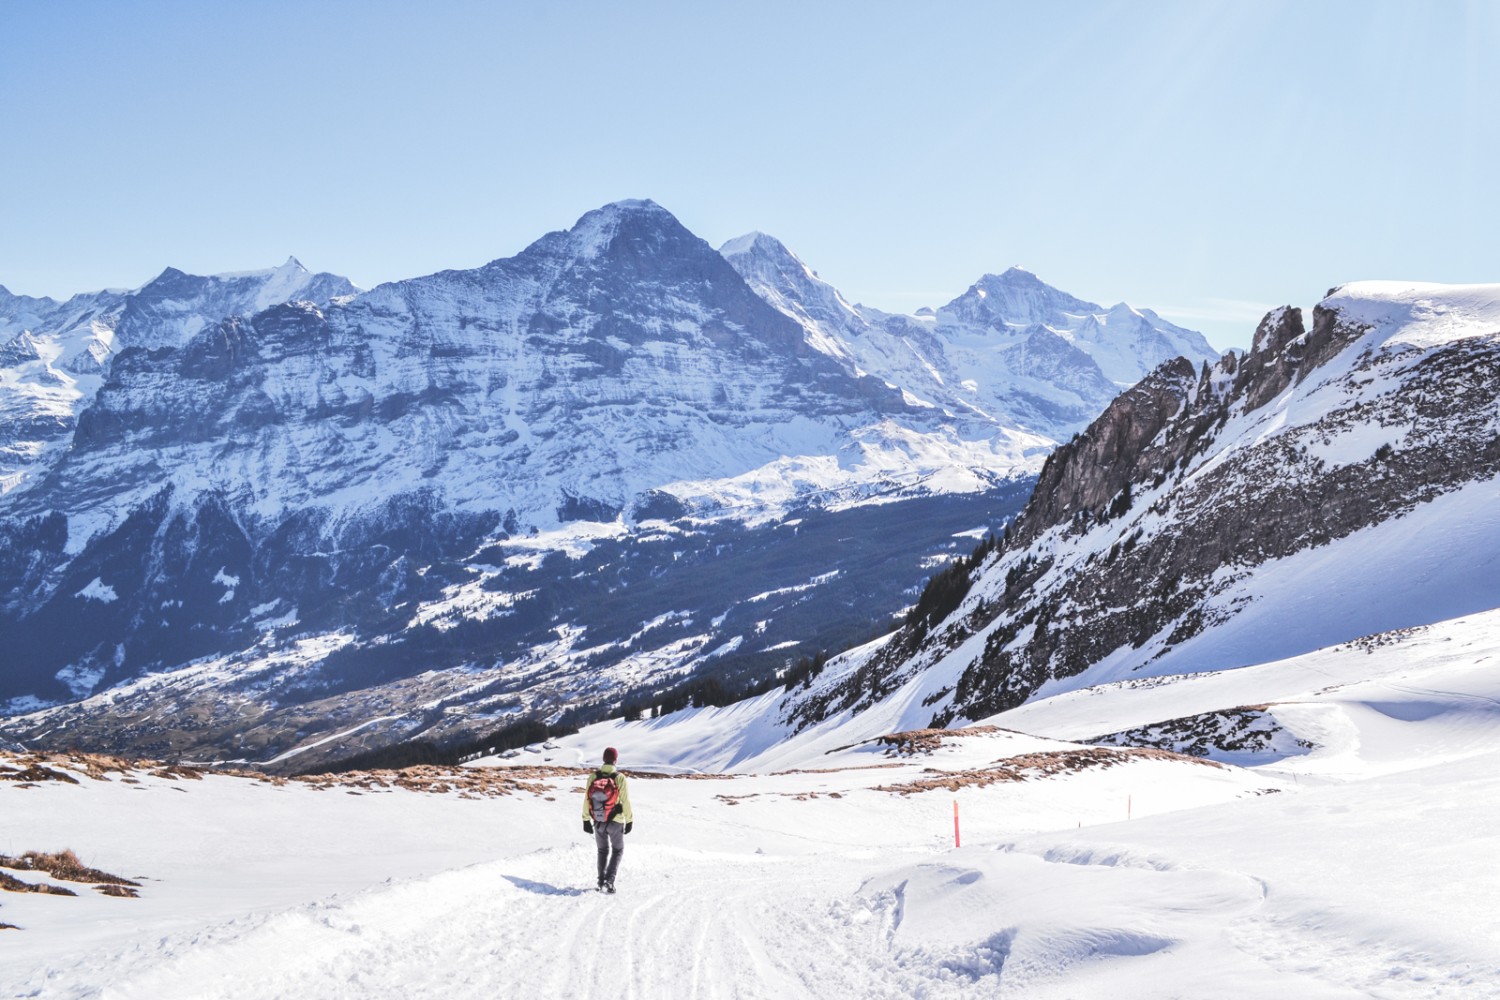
{"x": 955, "y": 822}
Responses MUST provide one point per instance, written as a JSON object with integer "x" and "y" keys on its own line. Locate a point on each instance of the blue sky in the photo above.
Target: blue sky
{"x": 1205, "y": 159}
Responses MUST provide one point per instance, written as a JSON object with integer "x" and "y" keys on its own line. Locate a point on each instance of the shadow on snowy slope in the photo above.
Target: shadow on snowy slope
{"x": 543, "y": 889}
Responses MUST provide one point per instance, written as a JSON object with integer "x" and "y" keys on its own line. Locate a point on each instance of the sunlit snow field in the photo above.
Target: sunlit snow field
{"x": 1359, "y": 866}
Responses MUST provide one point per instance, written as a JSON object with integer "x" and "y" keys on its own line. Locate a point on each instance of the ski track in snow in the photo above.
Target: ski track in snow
{"x": 757, "y": 927}
{"x": 682, "y": 925}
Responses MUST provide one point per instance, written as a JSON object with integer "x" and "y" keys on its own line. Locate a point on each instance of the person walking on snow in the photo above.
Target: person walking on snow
{"x": 606, "y": 814}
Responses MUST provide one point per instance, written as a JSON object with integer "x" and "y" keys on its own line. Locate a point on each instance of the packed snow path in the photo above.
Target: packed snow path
{"x": 705, "y": 925}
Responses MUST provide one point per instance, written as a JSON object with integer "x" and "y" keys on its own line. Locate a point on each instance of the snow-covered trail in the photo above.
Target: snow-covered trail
{"x": 1356, "y": 867}
{"x": 712, "y": 926}
{"x": 718, "y": 925}
{"x": 1232, "y": 905}
{"x": 685, "y": 923}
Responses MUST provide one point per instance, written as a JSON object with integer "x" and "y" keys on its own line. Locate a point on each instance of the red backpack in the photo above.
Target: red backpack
{"x": 603, "y": 796}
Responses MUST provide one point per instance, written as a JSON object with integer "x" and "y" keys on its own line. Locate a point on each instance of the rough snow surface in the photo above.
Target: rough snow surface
{"x": 832, "y": 873}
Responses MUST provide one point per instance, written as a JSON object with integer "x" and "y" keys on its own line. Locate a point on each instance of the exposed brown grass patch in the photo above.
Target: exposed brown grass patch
{"x": 68, "y": 766}
{"x": 1029, "y": 766}
{"x": 63, "y": 865}
{"x": 915, "y": 741}
{"x": 12, "y": 884}
{"x": 31, "y": 773}
{"x": 471, "y": 782}
{"x": 118, "y": 890}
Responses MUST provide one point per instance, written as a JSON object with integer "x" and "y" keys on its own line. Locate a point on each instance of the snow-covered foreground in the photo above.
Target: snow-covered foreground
{"x": 1357, "y": 866}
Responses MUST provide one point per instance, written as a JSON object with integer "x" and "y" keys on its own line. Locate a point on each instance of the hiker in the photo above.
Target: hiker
{"x": 606, "y": 814}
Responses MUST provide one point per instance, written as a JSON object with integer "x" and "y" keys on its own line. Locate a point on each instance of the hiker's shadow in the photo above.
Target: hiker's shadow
{"x": 543, "y": 889}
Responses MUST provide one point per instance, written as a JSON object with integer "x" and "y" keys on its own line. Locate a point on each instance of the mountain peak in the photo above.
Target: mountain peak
{"x": 627, "y": 208}
{"x": 1018, "y": 273}
{"x": 632, "y": 205}
{"x": 596, "y": 232}
{"x": 754, "y": 242}
{"x": 1016, "y": 296}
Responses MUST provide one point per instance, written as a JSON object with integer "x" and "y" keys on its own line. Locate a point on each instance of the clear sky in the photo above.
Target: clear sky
{"x": 1206, "y": 159}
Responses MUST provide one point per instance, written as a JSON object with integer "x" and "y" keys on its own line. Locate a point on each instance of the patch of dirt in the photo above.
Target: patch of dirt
{"x": 1029, "y": 766}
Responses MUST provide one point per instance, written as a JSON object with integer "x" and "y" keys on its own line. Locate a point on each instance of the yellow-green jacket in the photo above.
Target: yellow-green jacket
{"x": 622, "y": 808}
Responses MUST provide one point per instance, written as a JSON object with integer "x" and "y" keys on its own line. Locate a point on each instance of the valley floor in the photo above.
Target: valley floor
{"x": 1359, "y": 867}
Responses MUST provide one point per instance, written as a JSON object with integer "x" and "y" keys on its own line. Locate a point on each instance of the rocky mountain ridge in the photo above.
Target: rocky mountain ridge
{"x": 54, "y": 356}
{"x": 1336, "y": 481}
{"x": 1011, "y": 349}
{"x": 470, "y": 497}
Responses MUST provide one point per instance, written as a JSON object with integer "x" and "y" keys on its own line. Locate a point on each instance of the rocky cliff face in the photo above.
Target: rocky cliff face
{"x": 1329, "y": 484}
{"x": 54, "y": 355}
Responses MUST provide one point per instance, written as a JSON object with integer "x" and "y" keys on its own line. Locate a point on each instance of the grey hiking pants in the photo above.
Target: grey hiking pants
{"x": 606, "y": 836}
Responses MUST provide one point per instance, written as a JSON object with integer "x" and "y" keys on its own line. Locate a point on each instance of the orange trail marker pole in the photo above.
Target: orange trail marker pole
{"x": 955, "y": 822}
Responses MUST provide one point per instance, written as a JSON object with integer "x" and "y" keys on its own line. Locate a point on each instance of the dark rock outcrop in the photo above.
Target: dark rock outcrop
{"x": 1186, "y": 484}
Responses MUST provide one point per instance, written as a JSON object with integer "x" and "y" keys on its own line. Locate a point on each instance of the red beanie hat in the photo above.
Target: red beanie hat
{"x": 610, "y": 753}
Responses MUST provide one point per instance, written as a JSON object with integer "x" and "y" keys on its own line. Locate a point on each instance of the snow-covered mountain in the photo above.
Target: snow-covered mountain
{"x": 54, "y": 355}
{"x": 280, "y": 515}
{"x": 554, "y": 482}
{"x": 1235, "y": 655}
{"x": 1336, "y": 481}
{"x": 1012, "y": 349}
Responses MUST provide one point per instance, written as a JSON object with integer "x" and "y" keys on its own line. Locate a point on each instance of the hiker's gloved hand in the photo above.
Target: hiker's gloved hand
{"x": 628, "y": 826}
{"x": 588, "y": 826}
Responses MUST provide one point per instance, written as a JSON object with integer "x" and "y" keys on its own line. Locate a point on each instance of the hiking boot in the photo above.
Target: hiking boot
{"x": 609, "y": 887}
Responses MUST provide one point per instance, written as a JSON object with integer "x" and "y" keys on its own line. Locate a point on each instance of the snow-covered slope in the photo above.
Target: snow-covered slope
{"x": 1011, "y": 349}
{"x": 1334, "y": 482}
{"x": 1350, "y": 865}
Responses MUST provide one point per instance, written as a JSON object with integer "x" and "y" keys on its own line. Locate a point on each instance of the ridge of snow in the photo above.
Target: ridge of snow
{"x": 1419, "y": 314}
